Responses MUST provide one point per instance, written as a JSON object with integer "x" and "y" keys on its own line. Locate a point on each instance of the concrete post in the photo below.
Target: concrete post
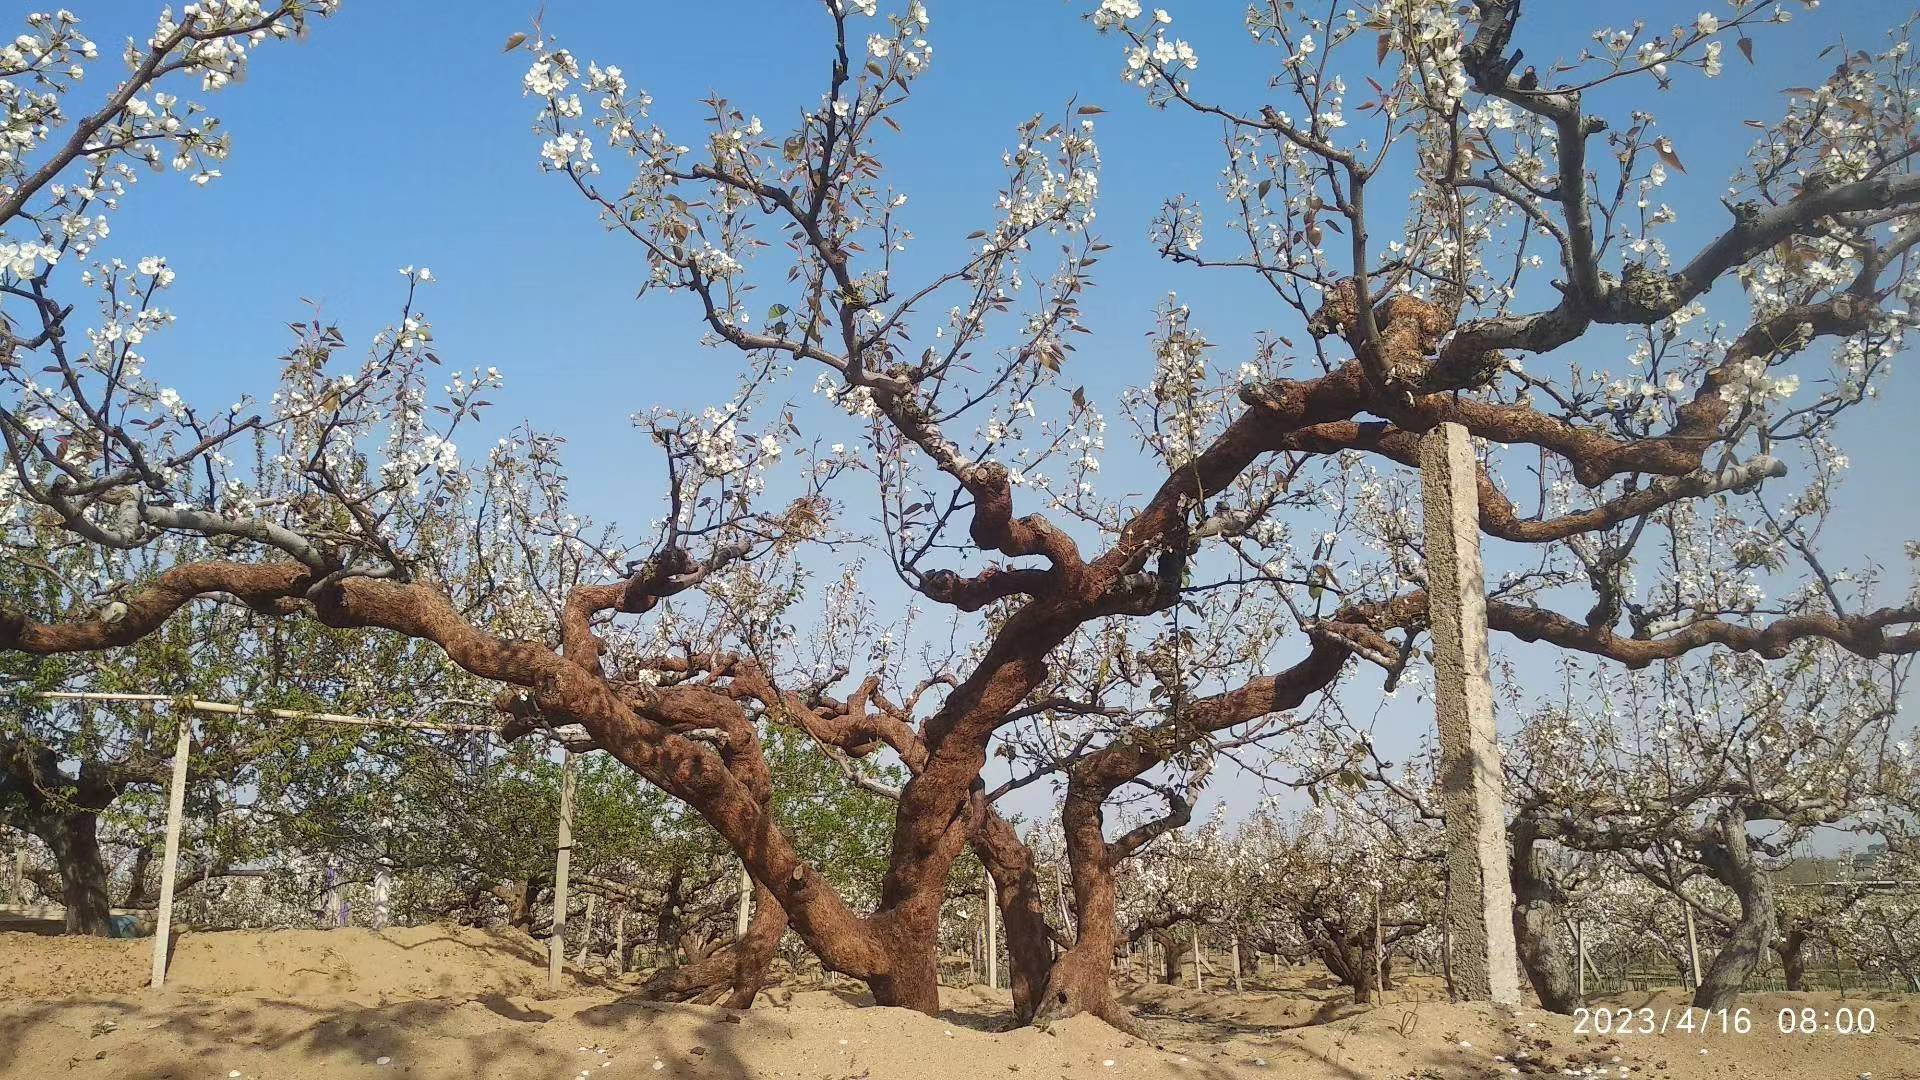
{"x": 383, "y": 879}
{"x": 382, "y": 896}
{"x": 1480, "y": 910}
{"x": 562, "y": 860}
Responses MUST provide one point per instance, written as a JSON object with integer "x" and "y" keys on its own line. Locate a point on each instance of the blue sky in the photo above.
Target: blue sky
{"x": 398, "y": 135}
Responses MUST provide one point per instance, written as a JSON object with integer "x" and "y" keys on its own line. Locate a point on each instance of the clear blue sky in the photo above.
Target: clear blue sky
{"x": 398, "y": 135}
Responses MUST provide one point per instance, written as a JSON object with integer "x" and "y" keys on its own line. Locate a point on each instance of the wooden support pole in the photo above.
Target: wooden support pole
{"x": 222, "y": 708}
{"x": 383, "y": 879}
{"x": 170, "y": 862}
{"x": 1238, "y": 983}
{"x": 620, "y": 939}
{"x": 990, "y": 897}
{"x": 1580, "y": 958}
{"x": 1693, "y": 944}
{"x": 1379, "y": 946}
{"x": 1485, "y": 964}
{"x": 562, "y": 859}
{"x": 1197, "y": 984}
{"x": 586, "y": 937}
{"x": 744, "y": 914}
{"x": 382, "y": 896}
{"x": 976, "y": 955}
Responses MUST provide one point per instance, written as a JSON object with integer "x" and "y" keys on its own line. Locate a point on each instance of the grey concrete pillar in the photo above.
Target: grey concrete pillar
{"x": 1480, "y": 909}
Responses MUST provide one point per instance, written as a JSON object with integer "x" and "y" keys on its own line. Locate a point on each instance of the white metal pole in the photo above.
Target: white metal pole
{"x": 993, "y": 930}
{"x": 1693, "y": 944}
{"x": 744, "y": 914}
{"x": 1379, "y": 942}
{"x": 563, "y": 856}
{"x": 170, "y": 863}
{"x": 1580, "y": 958}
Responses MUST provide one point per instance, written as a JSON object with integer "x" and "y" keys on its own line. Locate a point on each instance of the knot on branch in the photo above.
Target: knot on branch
{"x": 1408, "y": 328}
{"x": 1643, "y": 295}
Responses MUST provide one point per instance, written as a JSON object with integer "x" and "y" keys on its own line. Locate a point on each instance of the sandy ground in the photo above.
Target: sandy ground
{"x": 436, "y": 1002}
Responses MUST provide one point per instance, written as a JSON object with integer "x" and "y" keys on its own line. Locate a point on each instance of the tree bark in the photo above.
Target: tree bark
{"x": 1729, "y": 858}
{"x": 1022, "y": 911}
{"x": 136, "y": 896}
{"x": 753, "y": 954}
{"x": 1348, "y": 956}
{"x": 1791, "y": 948}
{"x": 64, "y": 812}
{"x": 732, "y": 975}
{"x": 75, "y": 841}
{"x": 1536, "y": 915}
{"x": 1082, "y": 977}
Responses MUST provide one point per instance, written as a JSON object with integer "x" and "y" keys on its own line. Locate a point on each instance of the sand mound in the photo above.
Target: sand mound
{"x": 505, "y": 1038}
{"x": 363, "y": 965}
{"x": 444, "y": 1002}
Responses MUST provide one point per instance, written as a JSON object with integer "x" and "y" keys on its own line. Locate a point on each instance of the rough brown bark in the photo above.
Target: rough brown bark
{"x": 1350, "y": 962}
{"x": 64, "y": 812}
{"x": 1082, "y": 977}
{"x": 732, "y": 975}
{"x": 753, "y": 954}
{"x": 1022, "y": 911}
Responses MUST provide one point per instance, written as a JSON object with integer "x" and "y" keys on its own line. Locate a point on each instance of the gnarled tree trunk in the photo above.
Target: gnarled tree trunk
{"x": 1790, "y": 947}
{"x": 64, "y": 812}
{"x": 1536, "y": 915}
{"x": 75, "y": 841}
{"x": 1022, "y": 911}
{"x": 1082, "y": 977}
{"x": 1349, "y": 956}
{"x": 1729, "y": 857}
{"x": 732, "y": 975}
